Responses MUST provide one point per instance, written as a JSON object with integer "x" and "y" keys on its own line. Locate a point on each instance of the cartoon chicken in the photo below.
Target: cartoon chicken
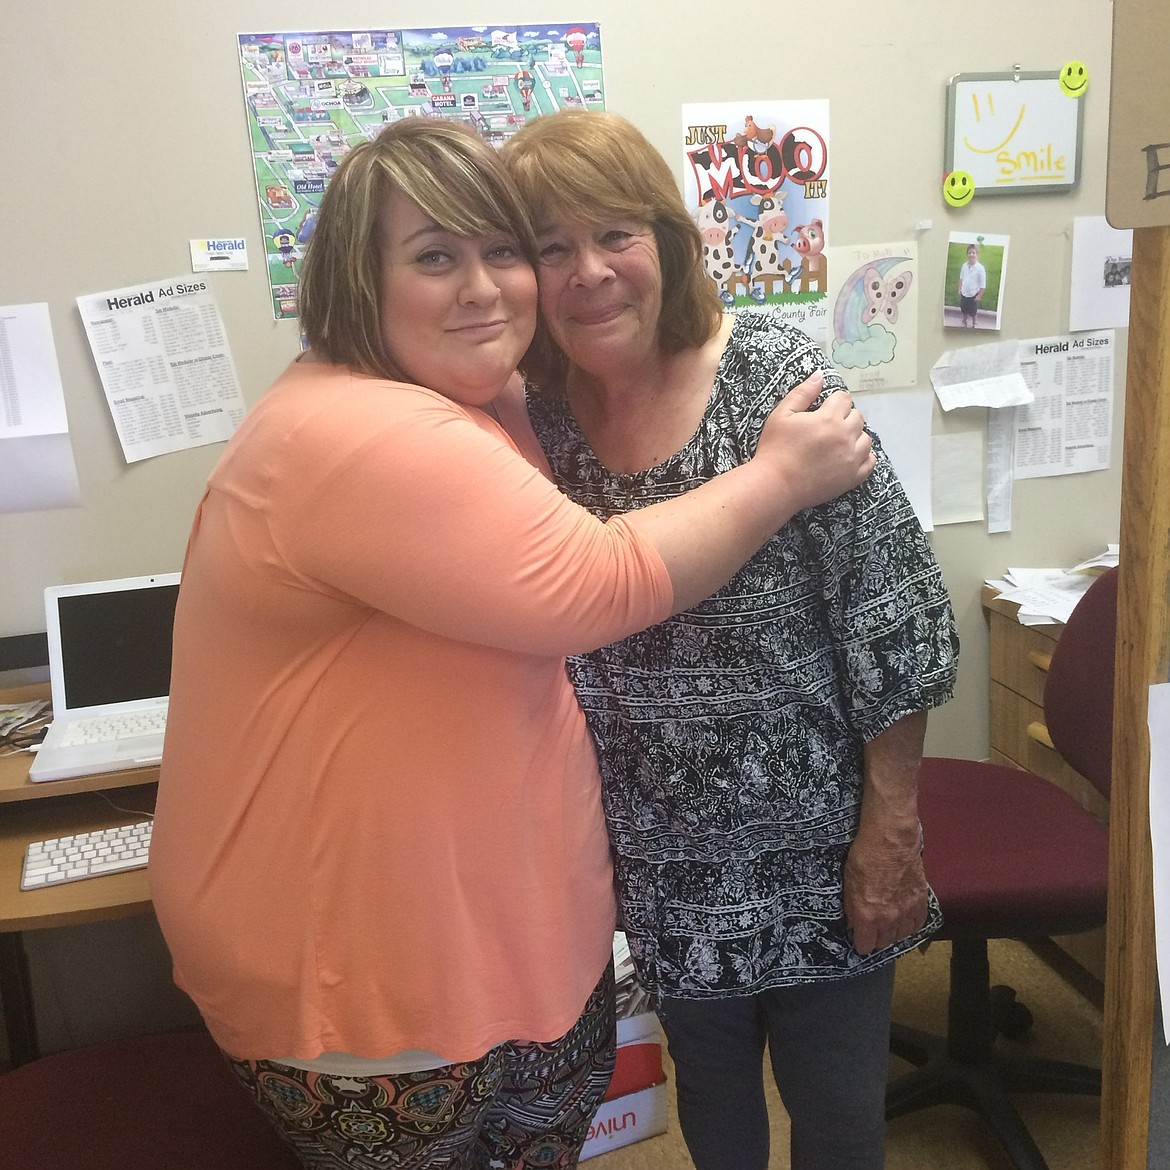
{"x": 756, "y": 136}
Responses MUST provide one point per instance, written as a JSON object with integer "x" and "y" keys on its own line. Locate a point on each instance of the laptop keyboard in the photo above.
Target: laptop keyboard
{"x": 84, "y": 855}
{"x": 107, "y": 728}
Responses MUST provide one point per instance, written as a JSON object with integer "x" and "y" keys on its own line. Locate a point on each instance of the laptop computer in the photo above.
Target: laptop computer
{"x": 109, "y": 664}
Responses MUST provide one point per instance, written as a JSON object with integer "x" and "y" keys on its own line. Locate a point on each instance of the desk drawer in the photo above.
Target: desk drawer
{"x": 1015, "y": 653}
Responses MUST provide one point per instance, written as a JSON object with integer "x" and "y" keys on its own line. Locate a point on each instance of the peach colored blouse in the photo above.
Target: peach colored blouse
{"x": 379, "y": 824}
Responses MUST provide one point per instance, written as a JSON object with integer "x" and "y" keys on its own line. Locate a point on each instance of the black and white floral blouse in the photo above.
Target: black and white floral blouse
{"x": 730, "y": 736}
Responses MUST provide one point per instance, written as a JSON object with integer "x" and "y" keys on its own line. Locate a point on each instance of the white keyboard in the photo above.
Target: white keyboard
{"x": 84, "y": 855}
{"x": 105, "y": 728}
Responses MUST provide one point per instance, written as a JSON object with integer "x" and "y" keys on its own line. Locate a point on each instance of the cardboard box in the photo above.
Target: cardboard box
{"x": 635, "y": 1103}
{"x": 625, "y": 1120}
{"x": 639, "y": 1056}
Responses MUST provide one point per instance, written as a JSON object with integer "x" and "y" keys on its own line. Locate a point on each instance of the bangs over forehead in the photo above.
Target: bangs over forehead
{"x": 581, "y": 193}
{"x": 445, "y": 177}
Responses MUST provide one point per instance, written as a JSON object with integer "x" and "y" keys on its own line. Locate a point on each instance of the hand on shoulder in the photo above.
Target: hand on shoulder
{"x": 823, "y": 452}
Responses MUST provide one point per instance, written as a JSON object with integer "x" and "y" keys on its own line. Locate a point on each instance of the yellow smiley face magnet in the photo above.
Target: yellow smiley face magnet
{"x": 958, "y": 188}
{"x": 1074, "y": 79}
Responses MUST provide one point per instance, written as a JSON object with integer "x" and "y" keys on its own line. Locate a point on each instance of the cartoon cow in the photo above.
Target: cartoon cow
{"x": 767, "y": 240}
{"x": 717, "y": 225}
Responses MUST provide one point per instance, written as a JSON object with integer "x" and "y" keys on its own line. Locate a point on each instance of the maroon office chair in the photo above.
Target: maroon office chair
{"x": 165, "y": 1102}
{"x": 1011, "y": 855}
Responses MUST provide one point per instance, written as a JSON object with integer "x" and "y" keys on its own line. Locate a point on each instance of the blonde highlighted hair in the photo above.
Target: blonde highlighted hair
{"x": 450, "y": 174}
{"x": 588, "y": 167}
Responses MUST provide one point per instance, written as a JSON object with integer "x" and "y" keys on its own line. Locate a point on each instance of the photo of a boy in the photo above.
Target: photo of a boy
{"x": 972, "y": 286}
{"x": 974, "y": 280}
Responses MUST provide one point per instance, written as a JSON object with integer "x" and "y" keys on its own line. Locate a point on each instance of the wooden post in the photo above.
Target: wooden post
{"x": 1143, "y": 657}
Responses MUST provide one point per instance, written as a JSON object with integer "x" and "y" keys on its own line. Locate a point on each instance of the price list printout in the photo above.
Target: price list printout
{"x": 1068, "y": 426}
{"x": 165, "y": 366}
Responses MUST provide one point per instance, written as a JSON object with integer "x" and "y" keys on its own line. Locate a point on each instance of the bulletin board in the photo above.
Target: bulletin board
{"x": 1014, "y": 132}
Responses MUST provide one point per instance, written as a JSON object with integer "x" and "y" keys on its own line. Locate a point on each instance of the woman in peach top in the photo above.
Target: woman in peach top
{"x": 379, "y": 858}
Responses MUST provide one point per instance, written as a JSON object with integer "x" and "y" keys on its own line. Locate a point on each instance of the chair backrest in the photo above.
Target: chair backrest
{"x": 1078, "y": 694}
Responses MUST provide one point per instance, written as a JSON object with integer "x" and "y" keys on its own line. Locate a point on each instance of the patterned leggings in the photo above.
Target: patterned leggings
{"x": 523, "y": 1106}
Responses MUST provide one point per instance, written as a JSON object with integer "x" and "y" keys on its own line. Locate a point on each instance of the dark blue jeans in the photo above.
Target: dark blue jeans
{"x": 829, "y": 1048}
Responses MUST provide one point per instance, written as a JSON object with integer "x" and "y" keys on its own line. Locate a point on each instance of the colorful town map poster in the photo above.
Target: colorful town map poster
{"x": 311, "y": 96}
{"x": 756, "y": 177}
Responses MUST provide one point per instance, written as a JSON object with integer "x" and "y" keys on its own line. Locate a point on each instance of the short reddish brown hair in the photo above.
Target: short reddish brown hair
{"x": 585, "y": 166}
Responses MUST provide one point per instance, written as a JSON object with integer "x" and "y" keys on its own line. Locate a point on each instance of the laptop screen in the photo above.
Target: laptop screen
{"x": 115, "y": 642}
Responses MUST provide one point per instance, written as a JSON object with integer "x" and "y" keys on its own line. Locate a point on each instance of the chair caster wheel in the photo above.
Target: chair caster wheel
{"x": 1010, "y": 1017}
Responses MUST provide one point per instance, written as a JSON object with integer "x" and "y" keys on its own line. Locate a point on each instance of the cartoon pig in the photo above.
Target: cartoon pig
{"x": 810, "y": 238}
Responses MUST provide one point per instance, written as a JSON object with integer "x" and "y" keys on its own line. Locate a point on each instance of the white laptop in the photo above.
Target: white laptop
{"x": 110, "y": 673}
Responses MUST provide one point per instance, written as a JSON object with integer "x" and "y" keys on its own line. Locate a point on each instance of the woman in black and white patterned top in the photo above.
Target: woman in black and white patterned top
{"x": 759, "y": 752}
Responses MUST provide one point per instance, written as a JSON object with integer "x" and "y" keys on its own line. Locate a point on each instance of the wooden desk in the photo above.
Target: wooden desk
{"x": 32, "y": 812}
{"x": 1019, "y": 657}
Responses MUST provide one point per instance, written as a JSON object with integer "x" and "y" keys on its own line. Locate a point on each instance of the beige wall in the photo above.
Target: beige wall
{"x": 124, "y": 137}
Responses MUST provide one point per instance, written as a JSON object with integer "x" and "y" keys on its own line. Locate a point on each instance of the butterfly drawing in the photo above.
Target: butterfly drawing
{"x": 882, "y": 295}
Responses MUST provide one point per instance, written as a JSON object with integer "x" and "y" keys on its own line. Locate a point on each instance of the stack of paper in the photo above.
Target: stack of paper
{"x": 22, "y": 725}
{"x": 632, "y": 997}
{"x": 15, "y": 717}
{"x": 1050, "y": 595}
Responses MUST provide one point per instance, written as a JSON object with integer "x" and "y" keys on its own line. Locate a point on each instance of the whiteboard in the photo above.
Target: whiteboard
{"x": 1014, "y": 132}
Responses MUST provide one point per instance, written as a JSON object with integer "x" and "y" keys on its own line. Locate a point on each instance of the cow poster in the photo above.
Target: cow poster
{"x": 756, "y": 178}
